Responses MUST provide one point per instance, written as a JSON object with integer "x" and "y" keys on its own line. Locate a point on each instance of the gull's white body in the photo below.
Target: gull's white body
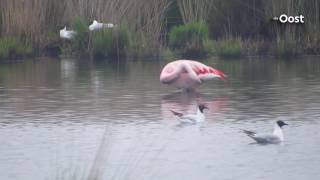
{"x": 275, "y": 137}
{"x": 188, "y": 74}
{"x": 97, "y": 26}
{"x": 192, "y": 118}
{"x": 65, "y": 34}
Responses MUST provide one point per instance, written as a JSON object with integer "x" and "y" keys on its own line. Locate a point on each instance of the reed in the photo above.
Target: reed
{"x": 194, "y": 10}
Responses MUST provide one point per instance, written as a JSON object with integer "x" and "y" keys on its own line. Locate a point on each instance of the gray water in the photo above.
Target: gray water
{"x": 71, "y": 119}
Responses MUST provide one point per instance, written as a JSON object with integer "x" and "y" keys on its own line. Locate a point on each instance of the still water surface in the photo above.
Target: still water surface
{"x": 69, "y": 119}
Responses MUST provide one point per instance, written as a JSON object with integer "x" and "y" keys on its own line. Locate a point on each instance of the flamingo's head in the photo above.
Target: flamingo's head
{"x": 221, "y": 75}
{"x": 169, "y": 73}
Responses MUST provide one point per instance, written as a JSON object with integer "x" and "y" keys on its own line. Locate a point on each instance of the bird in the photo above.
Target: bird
{"x": 274, "y": 138}
{"x": 189, "y": 74}
{"x": 192, "y": 118}
{"x": 65, "y": 34}
{"x": 97, "y": 26}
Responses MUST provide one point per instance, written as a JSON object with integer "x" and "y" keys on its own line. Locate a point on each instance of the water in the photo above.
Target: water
{"x": 73, "y": 119}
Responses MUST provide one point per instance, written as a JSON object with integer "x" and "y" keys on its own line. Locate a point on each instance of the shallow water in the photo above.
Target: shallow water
{"x": 68, "y": 119}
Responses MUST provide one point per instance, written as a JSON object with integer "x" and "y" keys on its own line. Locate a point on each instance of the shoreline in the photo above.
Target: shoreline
{"x": 114, "y": 59}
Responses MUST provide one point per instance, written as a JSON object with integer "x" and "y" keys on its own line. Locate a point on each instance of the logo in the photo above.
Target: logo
{"x": 283, "y": 19}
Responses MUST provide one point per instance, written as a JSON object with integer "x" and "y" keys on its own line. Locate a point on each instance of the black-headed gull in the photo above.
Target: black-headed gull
{"x": 275, "y": 137}
{"x": 97, "y": 26}
{"x": 192, "y": 118}
{"x": 65, "y": 34}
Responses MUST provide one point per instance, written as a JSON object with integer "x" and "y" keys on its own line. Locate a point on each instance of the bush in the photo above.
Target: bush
{"x": 10, "y": 48}
{"x": 229, "y": 48}
{"x": 110, "y": 42}
{"x": 190, "y": 38}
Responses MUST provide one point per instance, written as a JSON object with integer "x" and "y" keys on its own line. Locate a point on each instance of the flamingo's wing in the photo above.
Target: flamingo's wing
{"x": 207, "y": 73}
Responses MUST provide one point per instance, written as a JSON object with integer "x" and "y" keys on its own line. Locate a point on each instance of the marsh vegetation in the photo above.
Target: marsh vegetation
{"x": 227, "y": 29}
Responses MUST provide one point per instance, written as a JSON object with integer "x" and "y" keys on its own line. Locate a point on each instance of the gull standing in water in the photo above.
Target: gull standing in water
{"x": 192, "y": 118}
{"x": 274, "y": 138}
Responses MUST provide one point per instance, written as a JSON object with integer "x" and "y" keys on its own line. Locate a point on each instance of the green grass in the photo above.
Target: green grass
{"x": 229, "y": 48}
{"x": 189, "y": 39}
{"x": 80, "y": 42}
{"x": 10, "y": 48}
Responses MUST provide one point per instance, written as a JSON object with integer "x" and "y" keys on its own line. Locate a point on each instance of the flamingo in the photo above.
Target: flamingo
{"x": 188, "y": 74}
{"x": 65, "y": 34}
{"x": 97, "y": 26}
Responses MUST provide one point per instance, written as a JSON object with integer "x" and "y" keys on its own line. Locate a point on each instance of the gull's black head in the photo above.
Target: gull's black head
{"x": 202, "y": 107}
{"x": 281, "y": 123}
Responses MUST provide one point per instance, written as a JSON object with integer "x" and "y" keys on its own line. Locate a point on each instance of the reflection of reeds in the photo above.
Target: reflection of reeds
{"x": 98, "y": 166}
{"x": 100, "y": 161}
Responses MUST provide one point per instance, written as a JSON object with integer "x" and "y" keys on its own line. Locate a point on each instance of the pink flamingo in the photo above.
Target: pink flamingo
{"x": 187, "y": 74}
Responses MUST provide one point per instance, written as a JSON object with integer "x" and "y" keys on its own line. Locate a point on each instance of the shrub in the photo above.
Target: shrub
{"x": 110, "y": 42}
{"x": 190, "y": 38}
{"x": 229, "y": 48}
{"x": 10, "y": 48}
